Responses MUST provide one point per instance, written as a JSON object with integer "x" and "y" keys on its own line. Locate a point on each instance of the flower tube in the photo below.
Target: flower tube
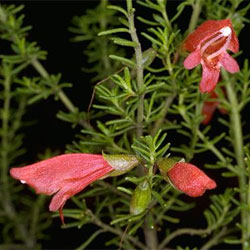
{"x": 68, "y": 174}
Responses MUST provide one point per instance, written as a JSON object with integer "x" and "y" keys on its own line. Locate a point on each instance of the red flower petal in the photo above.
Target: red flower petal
{"x": 192, "y": 60}
{"x": 210, "y": 106}
{"x": 66, "y": 174}
{"x": 234, "y": 44}
{"x": 208, "y": 110}
{"x": 206, "y": 30}
{"x": 210, "y": 76}
{"x": 73, "y": 186}
{"x": 190, "y": 179}
{"x": 229, "y": 63}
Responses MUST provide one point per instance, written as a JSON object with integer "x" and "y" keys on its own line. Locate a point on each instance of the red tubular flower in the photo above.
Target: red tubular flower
{"x": 189, "y": 179}
{"x": 209, "y": 108}
{"x": 63, "y": 175}
{"x": 208, "y": 45}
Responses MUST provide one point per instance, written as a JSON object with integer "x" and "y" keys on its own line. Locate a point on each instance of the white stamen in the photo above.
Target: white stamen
{"x": 23, "y": 182}
{"x": 222, "y": 49}
{"x": 226, "y": 31}
{"x": 207, "y": 44}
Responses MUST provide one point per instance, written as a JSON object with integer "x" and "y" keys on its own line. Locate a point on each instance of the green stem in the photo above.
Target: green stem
{"x": 195, "y": 15}
{"x": 235, "y": 123}
{"x": 42, "y": 71}
{"x": 66, "y": 101}
{"x": 165, "y": 16}
{"x": 104, "y": 43}
{"x": 39, "y": 68}
{"x": 139, "y": 68}
{"x": 149, "y": 233}
{"x": 238, "y": 145}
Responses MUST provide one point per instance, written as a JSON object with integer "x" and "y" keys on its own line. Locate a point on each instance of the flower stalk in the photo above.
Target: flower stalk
{"x": 238, "y": 145}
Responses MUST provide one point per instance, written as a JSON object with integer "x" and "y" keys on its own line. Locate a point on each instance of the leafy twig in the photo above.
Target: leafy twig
{"x": 139, "y": 67}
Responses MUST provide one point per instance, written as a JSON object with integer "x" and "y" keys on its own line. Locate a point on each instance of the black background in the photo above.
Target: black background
{"x": 50, "y": 21}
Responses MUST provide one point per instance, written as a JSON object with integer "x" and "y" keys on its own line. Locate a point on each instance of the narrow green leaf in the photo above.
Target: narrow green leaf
{"x": 125, "y": 190}
{"x": 112, "y": 31}
{"x": 126, "y": 217}
{"x": 123, "y": 60}
{"x": 232, "y": 241}
{"x": 143, "y": 20}
{"x": 135, "y": 227}
{"x": 114, "y": 7}
{"x": 123, "y": 42}
{"x": 123, "y": 21}
{"x": 150, "y": 38}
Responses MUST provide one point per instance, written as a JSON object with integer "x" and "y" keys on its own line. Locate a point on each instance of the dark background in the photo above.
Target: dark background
{"x": 50, "y": 21}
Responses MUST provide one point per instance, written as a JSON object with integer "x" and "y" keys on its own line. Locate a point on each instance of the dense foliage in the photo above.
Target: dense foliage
{"x": 143, "y": 94}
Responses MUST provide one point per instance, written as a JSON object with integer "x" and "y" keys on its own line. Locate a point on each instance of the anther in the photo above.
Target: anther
{"x": 226, "y": 31}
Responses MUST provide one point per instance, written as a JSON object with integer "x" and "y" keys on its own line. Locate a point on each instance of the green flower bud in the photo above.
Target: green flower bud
{"x": 148, "y": 57}
{"x": 165, "y": 164}
{"x": 140, "y": 198}
{"x": 121, "y": 163}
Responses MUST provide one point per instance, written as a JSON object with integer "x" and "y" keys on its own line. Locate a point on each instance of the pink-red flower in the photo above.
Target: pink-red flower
{"x": 189, "y": 179}
{"x": 63, "y": 175}
{"x": 209, "y": 108}
{"x": 208, "y": 45}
